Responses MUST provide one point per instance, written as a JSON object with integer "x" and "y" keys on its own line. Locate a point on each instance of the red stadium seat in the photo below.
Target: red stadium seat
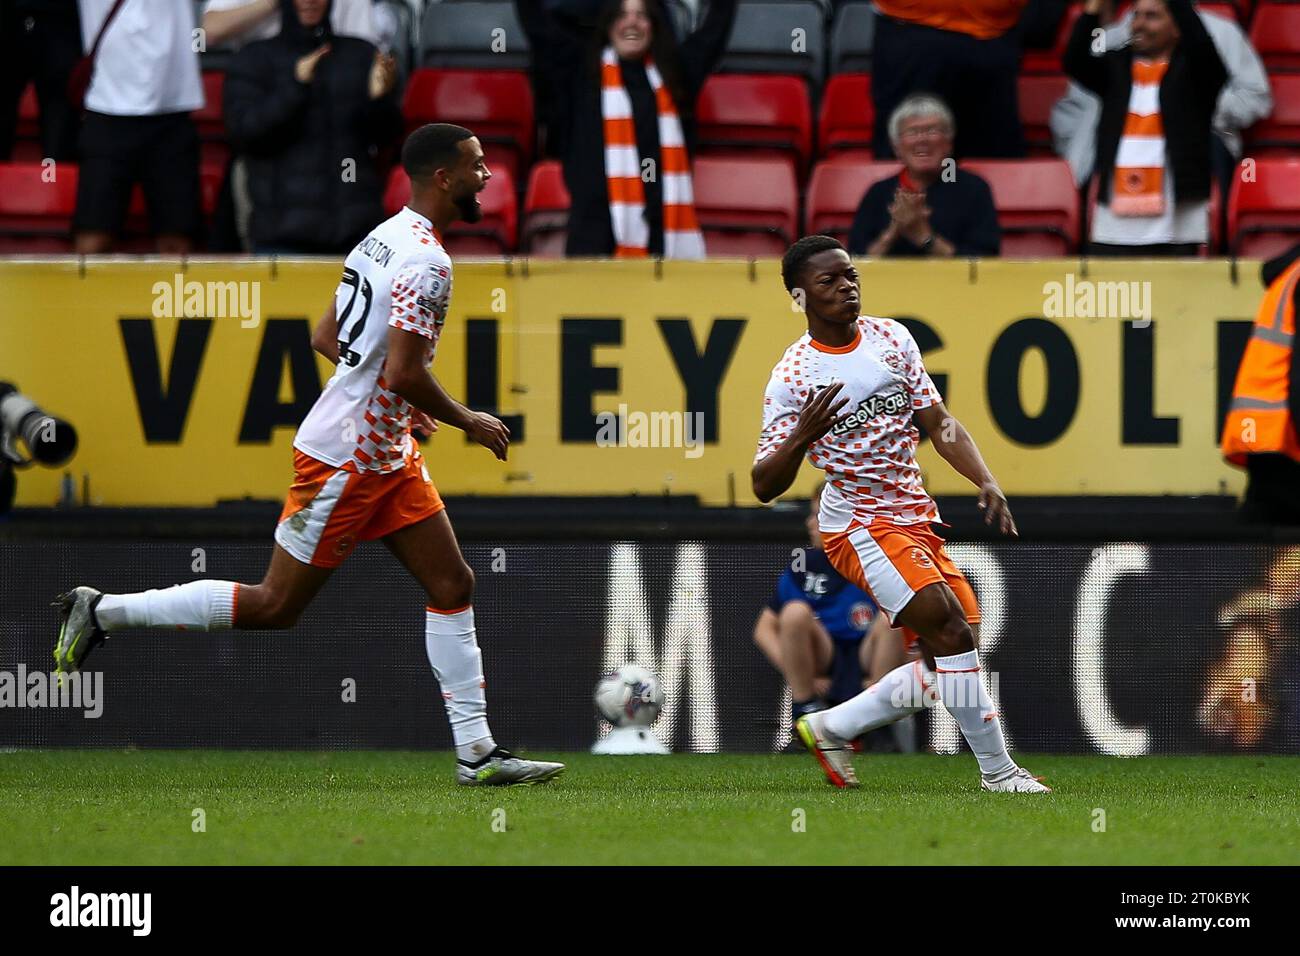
{"x": 1037, "y": 202}
{"x": 1038, "y": 94}
{"x": 214, "y": 148}
{"x": 27, "y": 132}
{"x": 36, "y": 215}
{"x": 836, "y": 189}
{"x": 1279, "y": 132}
{"x": 1264, "y": 215}
{"x": 847, "y": 115}
{"x": 1275, "y": 34}
{"x": 398, "y": 191}
{"x": 209, "y": 119}
{"x": 746, "y": 207}
{"x": 755, "y": 115}
{"x": 210, "y": 180}
{"x": 1049, "y": 61}
{"x": 493, "y": 235}
{"x": 29, "y": 112}
{"x": 496, "y": 104}
{"x": 546, "y": 211}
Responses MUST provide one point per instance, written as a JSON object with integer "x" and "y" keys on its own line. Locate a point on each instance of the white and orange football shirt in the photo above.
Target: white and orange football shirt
{"x": 870, "y": 457}
{"x": 399, "y": 276}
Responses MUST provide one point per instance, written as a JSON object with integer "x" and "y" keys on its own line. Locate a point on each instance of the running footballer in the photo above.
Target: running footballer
{"x": 843, "y": 396}
{"x": 358, "y": 474}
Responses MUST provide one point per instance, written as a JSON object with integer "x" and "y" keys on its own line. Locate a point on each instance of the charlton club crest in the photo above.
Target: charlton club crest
{"x": 860, "y": 616}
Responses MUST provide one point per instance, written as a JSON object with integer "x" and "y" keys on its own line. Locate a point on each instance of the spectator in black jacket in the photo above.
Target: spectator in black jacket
{"x": 1158, "y": 96}
{"x": 931, "y": 208}
{"x": 308, "y": 109}
{"x": 571, "y": 66}
{"x": 40, "y": 41}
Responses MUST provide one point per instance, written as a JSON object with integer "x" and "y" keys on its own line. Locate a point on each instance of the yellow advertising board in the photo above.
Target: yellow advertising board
{"x": 185, "y": 381}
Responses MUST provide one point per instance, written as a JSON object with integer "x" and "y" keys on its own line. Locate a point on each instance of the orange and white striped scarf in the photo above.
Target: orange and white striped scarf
{"x": 1138, "y": 189}
{"x": 682, "y": 237}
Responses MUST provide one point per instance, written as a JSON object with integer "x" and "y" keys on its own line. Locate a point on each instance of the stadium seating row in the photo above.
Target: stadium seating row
{"x": 37, "y": 201}
{"x": 764, "y": 114}
{"x": 486, "y": 34}
{"x": 769, "y": 112}
{"x": 747, "y": 206}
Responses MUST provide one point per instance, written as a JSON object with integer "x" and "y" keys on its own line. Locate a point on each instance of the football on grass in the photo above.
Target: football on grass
{"x": 630, "y": 696}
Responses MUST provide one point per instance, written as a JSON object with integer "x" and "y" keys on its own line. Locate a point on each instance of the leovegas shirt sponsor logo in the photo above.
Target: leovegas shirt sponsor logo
{"x": 894, "y": 402}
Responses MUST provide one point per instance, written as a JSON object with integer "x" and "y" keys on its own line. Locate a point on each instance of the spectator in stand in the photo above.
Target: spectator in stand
{"x": 40, "y": 41}
{"x": 229, "y": 24}
{"x": 622, "y": 106}
{"x": 966, "y": 52}
{"x": 922, "y": 211}
{"x": 137, "y": 127}
{"x": 232, "y": 23}
{"x": 308, "y": 109}
{"x": 1245, "y": 99}
{"x": 1158, "y": 97}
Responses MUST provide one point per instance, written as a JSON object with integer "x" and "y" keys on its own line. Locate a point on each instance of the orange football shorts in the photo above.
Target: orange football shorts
{"x": 330, "y": 509}
{"x": 892, "y": 562}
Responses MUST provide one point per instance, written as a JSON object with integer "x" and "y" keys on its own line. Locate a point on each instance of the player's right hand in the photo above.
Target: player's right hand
{"x": 821, "y": 411}
{"x": 490, "y": 432}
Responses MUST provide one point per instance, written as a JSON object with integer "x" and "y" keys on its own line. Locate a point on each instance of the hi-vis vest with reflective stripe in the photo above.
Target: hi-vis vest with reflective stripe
{"x": 1259, "y": 420}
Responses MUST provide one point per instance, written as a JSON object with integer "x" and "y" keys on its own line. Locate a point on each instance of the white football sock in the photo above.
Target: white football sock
{"x": 962, "y": 692}
{"x": 896, "y": 695}
{"x": 198, "y": 605}
{"x": 457, "y": 662}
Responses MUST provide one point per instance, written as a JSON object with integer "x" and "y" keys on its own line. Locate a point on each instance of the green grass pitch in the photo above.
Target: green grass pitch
{"x": 138, "y": 807}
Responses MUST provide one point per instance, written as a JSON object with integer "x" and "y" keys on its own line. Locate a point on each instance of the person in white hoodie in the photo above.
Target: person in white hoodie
{"x": 233, "y": 23}
{"x": 1244, "y": 100}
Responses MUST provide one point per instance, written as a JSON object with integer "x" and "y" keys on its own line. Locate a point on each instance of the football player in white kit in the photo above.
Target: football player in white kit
{"x": 358, "y": 474}
{"x": 843, "y": 396}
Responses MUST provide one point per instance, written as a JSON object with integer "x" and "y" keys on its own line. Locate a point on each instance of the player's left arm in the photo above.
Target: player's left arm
{"x": 408, "y": 376}
{"x": 954, "y": 444}
{"x": 421, "y": 289}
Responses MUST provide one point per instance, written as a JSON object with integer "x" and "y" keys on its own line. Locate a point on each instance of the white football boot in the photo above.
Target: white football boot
{"x": 834, "y": 755}
{"x": 1018, "y": 780}
{"x": 501, "y": 768}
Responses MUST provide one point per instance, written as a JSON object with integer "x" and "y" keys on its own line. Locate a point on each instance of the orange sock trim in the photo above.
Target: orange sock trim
{"x": 455, "y": 610}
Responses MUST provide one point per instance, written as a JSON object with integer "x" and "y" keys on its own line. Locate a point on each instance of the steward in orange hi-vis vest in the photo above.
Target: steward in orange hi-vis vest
{"x": 1262, "y": 417}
